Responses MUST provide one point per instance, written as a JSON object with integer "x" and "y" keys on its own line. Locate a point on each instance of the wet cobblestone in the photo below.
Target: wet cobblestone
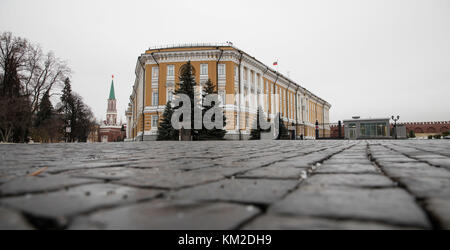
{"x": 384, "y": 184}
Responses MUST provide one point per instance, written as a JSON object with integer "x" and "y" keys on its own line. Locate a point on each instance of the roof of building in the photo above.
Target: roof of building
{"x": 111, "y": 92}
{"x": 368, "y": 119}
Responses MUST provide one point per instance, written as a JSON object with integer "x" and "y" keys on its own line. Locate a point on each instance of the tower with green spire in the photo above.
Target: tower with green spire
{"x": 112, "y": 95}
{"x": 111, "y": 112}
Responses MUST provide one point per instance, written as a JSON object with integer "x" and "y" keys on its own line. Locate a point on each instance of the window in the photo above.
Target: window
{"x": 373, "y": 129}
{"x": 221, "y": 69}
{"x": 155, "y": 99}
{"x": 169, "y": 95}
{"x": 170, "y": 70}
{"x": 155, "y": 72}
{"x": 154, "y": 121}
{"x": 222, "y": 99}
{"x": 362, "y": 128}
{"x": 381, "y": 129}
{"x": 236, "y": 73}
{"x": 204, "y": 69}
{"x": 246, "y": 121}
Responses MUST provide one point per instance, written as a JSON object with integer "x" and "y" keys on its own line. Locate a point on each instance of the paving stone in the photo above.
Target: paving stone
{"x": 415, "y": 169}
{"x": 80, "y": 199}
{"x": 260, "y": 191}
{"x": 56, "y": 169}
{"x": 13, "y": 220}
{"x": 275, "y": 172}
{"x": 387, "y": 161}
{"x": 425, "y": 187}
{"x": 226, "y": 171}
{"x": 440, "y": 208}
{"x": 163, "y": 215}
{"x": 109, "y": 174}
{"x": 445, "y": 163}
{"x": 346, "y": 169}
{"x": 391, "y": 206}
{"x": 25, "y": 185}
{"x": 280, "y": 222}
{"x": 352, "y": 180}
{"x": 345, "y": 190}
{"x": 347, "y": 161}
{"x": 171, "y": 179}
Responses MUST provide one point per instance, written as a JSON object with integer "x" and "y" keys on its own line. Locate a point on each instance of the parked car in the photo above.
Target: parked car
{"x": 447, "y": 137}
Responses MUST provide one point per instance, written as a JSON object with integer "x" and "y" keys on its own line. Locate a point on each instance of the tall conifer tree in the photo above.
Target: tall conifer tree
{"x": 255, "y": 133}
{"x": 166, "y": 132}
{"x": 186, "y": 86}
{"x": 215, "y": 133}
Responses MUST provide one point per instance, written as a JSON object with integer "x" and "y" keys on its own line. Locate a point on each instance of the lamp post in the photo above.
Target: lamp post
{"x": 395, "y": 125}
{"x": 294, "y": 133}
{"x": 317, "y": 129}
{"x": 68, "y": 131}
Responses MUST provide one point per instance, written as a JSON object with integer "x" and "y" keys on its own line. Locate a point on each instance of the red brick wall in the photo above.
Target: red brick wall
{"x": 113, "y": 134}
{"x": 335, "y": 131}
{"x": 427, "y": 127}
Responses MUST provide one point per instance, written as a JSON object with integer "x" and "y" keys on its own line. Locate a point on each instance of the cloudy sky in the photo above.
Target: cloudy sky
{"x": 372, "y": 58}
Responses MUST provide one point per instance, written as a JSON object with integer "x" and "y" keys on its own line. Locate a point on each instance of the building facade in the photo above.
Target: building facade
{"x": 243, "y": 84}
{"x": 367, "y": 129}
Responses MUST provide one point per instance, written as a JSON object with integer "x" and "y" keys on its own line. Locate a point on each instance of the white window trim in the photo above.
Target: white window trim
{"x": 222, "y": 97}
{"x": 202, "y": 66}
{"x": 154, "y": 120}
{"x": 168, "y": 94}
{"x": 155, "y": 72}
{"x": 155, "y": 101}
{"x": 170, "y": 68}
{"x": 222, "y": 65}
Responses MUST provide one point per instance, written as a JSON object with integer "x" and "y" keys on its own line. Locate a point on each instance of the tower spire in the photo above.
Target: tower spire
{"x": 111, "y": 112}
{"x": 111, "y": 91}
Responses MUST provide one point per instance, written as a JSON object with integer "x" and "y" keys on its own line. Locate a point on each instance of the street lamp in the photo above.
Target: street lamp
{"x": 68, "y": 131}
{"x": 317, "y": 129}
{"x": 395, "y": 125}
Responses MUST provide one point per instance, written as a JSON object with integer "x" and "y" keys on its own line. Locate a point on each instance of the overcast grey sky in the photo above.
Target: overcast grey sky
{"x": 372, "y": 58}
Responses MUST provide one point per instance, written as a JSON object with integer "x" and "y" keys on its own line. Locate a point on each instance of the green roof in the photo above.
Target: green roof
{"x": 111, "y": 92}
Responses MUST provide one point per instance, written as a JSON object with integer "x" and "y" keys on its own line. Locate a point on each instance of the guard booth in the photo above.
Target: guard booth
{"x": 367, "y": 128}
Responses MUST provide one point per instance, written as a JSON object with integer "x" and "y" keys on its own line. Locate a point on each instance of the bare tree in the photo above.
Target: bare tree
{"x": 39, "y": 72}
{"x": 13, "y": 57}
{"x": 42, "y": 73}
{"x": 14, "y": 105}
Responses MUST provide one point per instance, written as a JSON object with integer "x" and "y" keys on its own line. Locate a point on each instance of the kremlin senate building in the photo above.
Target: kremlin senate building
{"x": 243, "y": 82}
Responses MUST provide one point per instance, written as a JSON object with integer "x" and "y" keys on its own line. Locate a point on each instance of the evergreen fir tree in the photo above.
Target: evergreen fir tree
{"x": 282, "y": 130}
{"x": 165, "y": 130}
{"x": 187, "y": 87}
{"x": 45, "y": 110}
{"x": 68, "y": 108}
{"x": 215, "y": 133}
{"x": 255, "y": 133}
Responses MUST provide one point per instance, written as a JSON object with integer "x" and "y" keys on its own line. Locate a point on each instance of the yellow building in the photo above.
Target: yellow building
{"x": 244, "y": 84}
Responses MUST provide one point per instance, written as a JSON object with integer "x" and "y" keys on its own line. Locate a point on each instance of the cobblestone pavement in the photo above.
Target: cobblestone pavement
{"x": 382, "y": 184}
